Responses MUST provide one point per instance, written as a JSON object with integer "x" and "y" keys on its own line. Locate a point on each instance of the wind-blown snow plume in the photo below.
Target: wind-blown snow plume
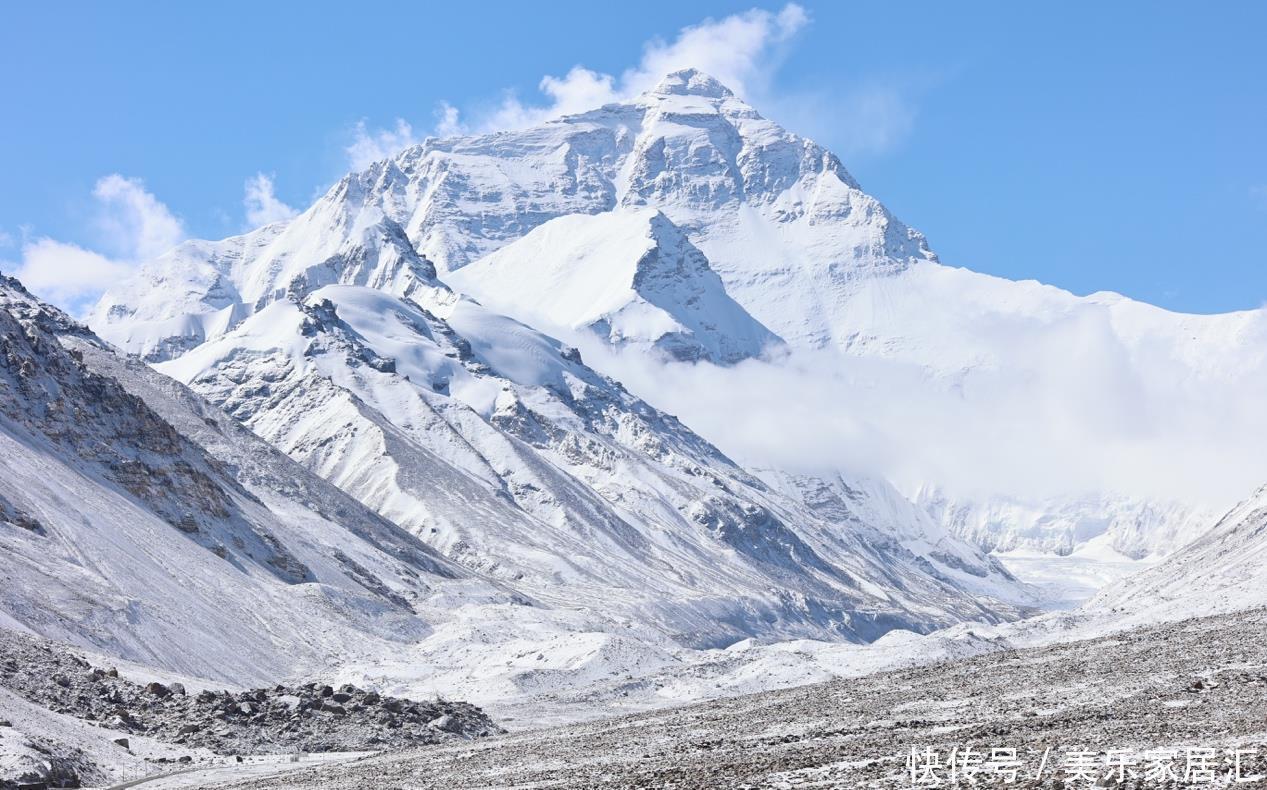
{"x": 742, "y": 50}
{"x": 370, "y": 145}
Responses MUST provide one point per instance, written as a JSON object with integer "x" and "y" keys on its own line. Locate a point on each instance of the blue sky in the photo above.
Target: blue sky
{"x": 1095, "y": 146}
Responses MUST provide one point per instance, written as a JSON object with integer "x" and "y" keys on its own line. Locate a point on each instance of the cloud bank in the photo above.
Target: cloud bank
{"x": 743, "y": 51}
{"x": 131, "y": 226}
{"x": 1065, "y": 408}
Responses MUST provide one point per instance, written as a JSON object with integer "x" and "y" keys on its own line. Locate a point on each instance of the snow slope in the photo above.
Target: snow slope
{"x": 733, "y": 181}
{"x": 141, "y": 521}
{"x": 1224, "y": 570}
{"x": 615, "y": 222}
{"x": 138, "y": 520}
{"x": 629, "y": 276}
{"x": 498, "y": 447}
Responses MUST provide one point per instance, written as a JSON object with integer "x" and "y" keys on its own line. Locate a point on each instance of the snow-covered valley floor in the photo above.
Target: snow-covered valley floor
{"x": 1155, "y": 695}
{"x": 1066, "y": 582}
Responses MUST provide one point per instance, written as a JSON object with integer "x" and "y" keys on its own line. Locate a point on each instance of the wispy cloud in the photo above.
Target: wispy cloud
{"x": 743, "y": 50}
{"x": 448, "y": 120}
{"x": 370, "y": 145}
{"x": 261, "y": 203}
{"x": 132, "y": 226}
{"x": 867, "y": 119}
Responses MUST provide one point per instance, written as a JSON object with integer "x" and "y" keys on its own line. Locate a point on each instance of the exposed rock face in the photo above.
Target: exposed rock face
{"x": 1199, "y": 684}
{"x": 499, "y": 447}
{"x": 138, "y": 519}
{"x": 689, "y": 148}
{"x": 275, "y": 720}
{"x": 48, "y": 390}
{"x": 800, "y": 253}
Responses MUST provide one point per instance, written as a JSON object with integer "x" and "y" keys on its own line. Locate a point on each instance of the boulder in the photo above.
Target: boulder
{"x": 158, "y": 690}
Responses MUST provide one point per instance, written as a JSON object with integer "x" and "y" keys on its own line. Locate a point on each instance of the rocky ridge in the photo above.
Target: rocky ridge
{"x": 282, "y": 719}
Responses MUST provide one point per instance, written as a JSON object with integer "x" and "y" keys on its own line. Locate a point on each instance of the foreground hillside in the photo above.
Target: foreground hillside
{"x": 1188, "y": 685}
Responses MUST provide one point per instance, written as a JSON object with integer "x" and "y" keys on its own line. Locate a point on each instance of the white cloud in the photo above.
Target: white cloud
{"x": 743, "y": 51}
{"x": 448, "y": 122}
{"x": 133, "y": 223}
{"x": 261, "y": 203}
{"x": 132, "y": 226}
{"x": 1067, "y": 409}
{"x": 369, "y": 146}
{"x": 67, "y": 274}
{"x": 5, "y": 239}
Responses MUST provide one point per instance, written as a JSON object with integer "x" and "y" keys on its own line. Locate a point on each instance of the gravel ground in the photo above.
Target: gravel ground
{"x": 1115, "y": 700}
{"x": 278, "y": 720}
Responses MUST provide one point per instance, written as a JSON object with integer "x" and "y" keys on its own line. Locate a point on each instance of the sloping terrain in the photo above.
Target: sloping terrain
{"x": 559, "y": 481}
{"x": 1117, "y": 703}
{"x": 66, "y": 721}
{"x": 1224, "y": 570}
{"x": 759, "y": 201}
{"x": 951, "y": 370}
{"x": 630, "y": 277}
{"x": 196, "y": 548}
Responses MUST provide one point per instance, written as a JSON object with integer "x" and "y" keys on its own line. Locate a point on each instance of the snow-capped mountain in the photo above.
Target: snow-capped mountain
{"x": 1136, "y": 528}
{"x": 137, "y": 519}
{"x": 629, "y": 276}
{"x": 1224, "y": 570}
{"x": 683, "y": 224}
{"x": 497, "y": 446}
{"x": 759, "y": 201}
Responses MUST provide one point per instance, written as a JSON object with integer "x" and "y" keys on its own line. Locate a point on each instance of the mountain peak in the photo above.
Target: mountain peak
{"x": 692, "y": 82}
{"x": 630, "y": 276}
